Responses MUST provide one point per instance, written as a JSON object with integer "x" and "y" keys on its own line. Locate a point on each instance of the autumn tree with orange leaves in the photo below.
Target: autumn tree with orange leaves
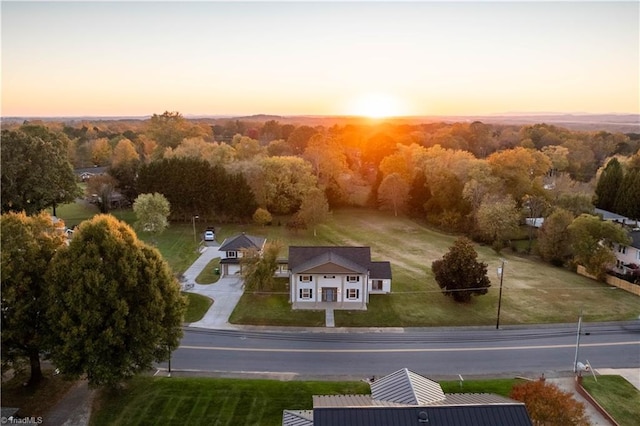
{"x": 547, "y": 405}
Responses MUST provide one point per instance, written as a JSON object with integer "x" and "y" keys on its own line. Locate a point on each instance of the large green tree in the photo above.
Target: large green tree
{"x": 554, "y": 244}
{"x": 186, "y": 182}
{"x": 170, "y": 128}
{"x": 459, "y": 274}
{"x": 393, "y": 193}
{"x": 152, "y": 211}
{"x": 285, "y": 183}
{"x": 314, "y": 209}
{"x": 35, "y": 171}
{"x": 628, "y": 196}
{"x": 498, "y": 219}
{"x": 28, "y": 245}
{"x": 258, "y": 269}
{"x": 114, "y": 306}
{"x": 609, "y": 184}
{"x": 592, "y": 240}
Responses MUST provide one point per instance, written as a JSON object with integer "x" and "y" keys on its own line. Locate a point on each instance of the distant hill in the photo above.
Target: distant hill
{"x": 625, "y": 123}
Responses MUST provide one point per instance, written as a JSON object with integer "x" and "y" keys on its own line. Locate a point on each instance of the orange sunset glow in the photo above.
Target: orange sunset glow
{"x": 368, "y": 59}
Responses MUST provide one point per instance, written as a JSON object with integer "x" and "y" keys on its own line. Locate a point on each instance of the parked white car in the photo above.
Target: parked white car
{"x": 209, "y": 235}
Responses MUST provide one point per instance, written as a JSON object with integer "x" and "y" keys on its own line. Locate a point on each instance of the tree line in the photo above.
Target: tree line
{"x": 473, "y": 178}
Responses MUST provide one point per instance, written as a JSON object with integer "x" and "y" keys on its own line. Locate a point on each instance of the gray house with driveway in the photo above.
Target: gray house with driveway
{"x": 232, "y": 250}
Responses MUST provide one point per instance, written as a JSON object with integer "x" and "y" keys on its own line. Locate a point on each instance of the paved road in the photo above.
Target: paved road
{"x": 437, "y": 353}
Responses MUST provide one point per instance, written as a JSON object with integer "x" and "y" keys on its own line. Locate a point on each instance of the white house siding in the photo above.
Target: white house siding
{"x": 297, "y": 285}
{"x": 321, "y": 281}
{"x": 386, "y": 287}
{"x": 626, "y": 255}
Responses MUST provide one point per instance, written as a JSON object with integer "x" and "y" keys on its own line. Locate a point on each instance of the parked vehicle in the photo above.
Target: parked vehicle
{"x": 209, "y": 235}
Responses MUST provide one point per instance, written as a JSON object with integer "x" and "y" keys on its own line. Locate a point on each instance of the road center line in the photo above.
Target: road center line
{"x": 499, "y": 348}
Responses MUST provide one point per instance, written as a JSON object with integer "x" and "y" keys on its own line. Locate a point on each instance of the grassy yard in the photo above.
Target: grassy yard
{"x": 36, "y": 400}
{"x": 533, "y": 291}
{"x": 176, "y": 243}
{"x": 616, "y": 395}
{"x": 208, "y": 274}
{"x": 273, "y": 309}
{"x": 206, "y": 401}
{"x": 197, "y": 307}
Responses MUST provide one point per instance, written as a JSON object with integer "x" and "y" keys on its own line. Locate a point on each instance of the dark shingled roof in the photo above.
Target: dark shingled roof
{"x": 467, "y": 415}
{"x": 380, "y": 270}
{"x": 242, "y": 241}
{"x": 304, "y": 258}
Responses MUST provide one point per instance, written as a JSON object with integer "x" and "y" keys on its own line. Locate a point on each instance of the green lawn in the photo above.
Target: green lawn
{"x": 497, "y": 386}
{"x": 274, "y": 309}
{"x": 208, "y": 274}
{"x": 176, "y": 243}
{"x": 197, "y": 307}
{"x": 616, "y": 395}
{"x": 533, "y": 291}
{"x": 205, "y": 401}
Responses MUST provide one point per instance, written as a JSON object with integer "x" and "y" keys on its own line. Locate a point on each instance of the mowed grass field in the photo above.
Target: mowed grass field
{"x": 616, "y": 395}
{"x": 209, "y": 401}
{"x": 533, "y": 291}
{"x": 206, "y": 401}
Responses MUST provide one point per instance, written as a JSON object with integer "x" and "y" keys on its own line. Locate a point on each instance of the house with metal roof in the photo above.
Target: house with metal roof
{"x": 335, "y": 276}
{"x": 234, "y": 248}
{"x": 405, "y": 398}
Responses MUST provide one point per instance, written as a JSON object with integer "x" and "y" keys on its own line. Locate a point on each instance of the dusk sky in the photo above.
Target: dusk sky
{"x": 295, "y": 58}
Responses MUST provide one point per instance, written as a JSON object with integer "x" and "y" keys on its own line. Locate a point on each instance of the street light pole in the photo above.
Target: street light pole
{"x": 193, "y": 219}
{"x": 501, "y": 273}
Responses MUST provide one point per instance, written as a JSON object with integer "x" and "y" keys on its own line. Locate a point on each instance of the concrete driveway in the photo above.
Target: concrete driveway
{"x": 225, "y": 293}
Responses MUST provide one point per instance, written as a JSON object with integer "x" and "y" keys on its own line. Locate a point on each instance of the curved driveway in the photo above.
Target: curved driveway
{"x": 225, "y": 293}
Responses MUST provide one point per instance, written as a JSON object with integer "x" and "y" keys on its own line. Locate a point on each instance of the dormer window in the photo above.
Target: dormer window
{"x": 233, "y": 254}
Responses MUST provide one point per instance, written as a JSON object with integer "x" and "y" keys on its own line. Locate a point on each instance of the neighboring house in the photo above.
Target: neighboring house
{"x": 341, "y": 276}
{"x": 407, "y": 398}
{"x": 614, "y": 217}
{"x": 87, "y": 173}
{"x": 628, "y": 257}
{"x": 232, "y": 250}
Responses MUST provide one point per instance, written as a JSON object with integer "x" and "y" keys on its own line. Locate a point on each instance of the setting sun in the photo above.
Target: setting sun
{"x": 377, "y": 105}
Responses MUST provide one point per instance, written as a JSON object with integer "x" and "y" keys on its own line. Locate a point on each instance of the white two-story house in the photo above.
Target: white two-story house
{"x": 232, "y": 250}
{"x": 628, "y": 257}
{"x": 341, "y": 276}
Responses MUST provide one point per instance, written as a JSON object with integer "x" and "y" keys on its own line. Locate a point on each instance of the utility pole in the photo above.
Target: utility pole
{"x": 501, "y": 273}
{"x": 575, "y": 360}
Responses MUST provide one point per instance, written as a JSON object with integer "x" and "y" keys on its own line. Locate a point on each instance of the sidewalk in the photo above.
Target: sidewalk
{"x": 74, "y": 409}
{"x": 567, "y": 384}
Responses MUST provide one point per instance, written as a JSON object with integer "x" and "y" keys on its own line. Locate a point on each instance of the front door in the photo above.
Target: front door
{"x": 329, "y": 294}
